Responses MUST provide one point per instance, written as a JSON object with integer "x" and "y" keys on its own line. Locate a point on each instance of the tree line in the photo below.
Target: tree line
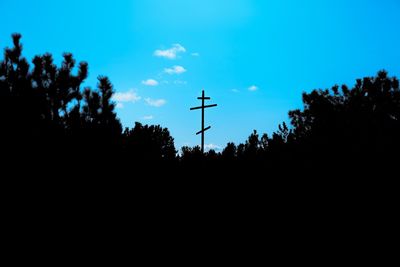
{"x": 44, "y": 110}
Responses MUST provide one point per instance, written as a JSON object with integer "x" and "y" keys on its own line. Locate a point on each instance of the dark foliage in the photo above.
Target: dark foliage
{"x": 45, "y": 114}
{"x": 359, "y": 124}
{"x": 47, "y": 117}
{"x": 347, "y": 128}
{"x": 63, "y": 150}
{"x": 149, "y": 143}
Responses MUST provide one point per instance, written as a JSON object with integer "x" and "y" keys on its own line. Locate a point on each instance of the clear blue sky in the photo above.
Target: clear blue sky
{"x": 278, "y": 48}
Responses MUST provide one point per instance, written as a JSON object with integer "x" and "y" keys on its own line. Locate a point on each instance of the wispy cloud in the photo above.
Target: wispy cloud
{"x": 119, "y": 105}
{"x": 235, "y": 90}
{"x": 149, "y": 117}
{"x": 155, "y": 102}
{"x": 150, "y": 82}
{"x": 129, "y": 96}
{"x": 175, "y": 70}
{"x": 171, "y": 53}
{"x": 253, "y": 88}
{"x": 195, "y": 54}
{"x": 212, "y": 146}
{"x": 179, "y": 82}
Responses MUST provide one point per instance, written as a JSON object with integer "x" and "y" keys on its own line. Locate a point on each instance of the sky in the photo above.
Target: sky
{"x": 254, "y": 58}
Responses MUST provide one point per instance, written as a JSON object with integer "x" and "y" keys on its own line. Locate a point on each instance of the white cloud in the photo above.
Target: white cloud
{"x": 149, "y": 117}
{"x": 175, "y": 70}
{"x": 235, "y": 90}
{"x": 170, "y": 53}
{"x": 212, "y": 146}
{"x": 179, "y": 82}
{"x": 155, "y": 102}
{"x": 120, "y": 105}
{"x": 129, "y": 96}
{"x": 195, "y": 54}
{"x": 150, "y": 82}
{"x": 253, "y": 88}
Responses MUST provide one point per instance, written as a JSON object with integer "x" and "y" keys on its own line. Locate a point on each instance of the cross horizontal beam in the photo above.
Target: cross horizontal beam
{"x": 202, "y": 131}
{"x": 205, "y": 98}
{"x": 208, "y": 106}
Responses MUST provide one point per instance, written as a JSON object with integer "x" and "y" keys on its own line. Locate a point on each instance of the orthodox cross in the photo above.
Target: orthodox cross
{"x": 203, "y": 107}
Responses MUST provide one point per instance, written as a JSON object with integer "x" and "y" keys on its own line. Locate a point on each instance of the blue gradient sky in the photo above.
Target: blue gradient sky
{"x": 281, "y": 47}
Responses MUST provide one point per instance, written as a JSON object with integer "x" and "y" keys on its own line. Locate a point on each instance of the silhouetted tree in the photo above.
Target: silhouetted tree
{"x": 191, "y": 154}
{"x": 230, "y": 152}
{"x": 241, "y": 151}
{"x": 45, "y": 115}
{"x": 252, "y": 146}
{"x": 355, "y": 124}
{"x": 212, "y": 156}
{"x": 46, "y": 111}
{"x": 351, "y": 125}
{"x": 16, "y": 117}
{"x": 102, "y": 127}
{"x": 149, "y": 143}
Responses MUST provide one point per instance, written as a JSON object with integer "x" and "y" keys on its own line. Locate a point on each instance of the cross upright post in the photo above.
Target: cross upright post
{"x": 203, "y": 107}
{"x": 202, "y": 122}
